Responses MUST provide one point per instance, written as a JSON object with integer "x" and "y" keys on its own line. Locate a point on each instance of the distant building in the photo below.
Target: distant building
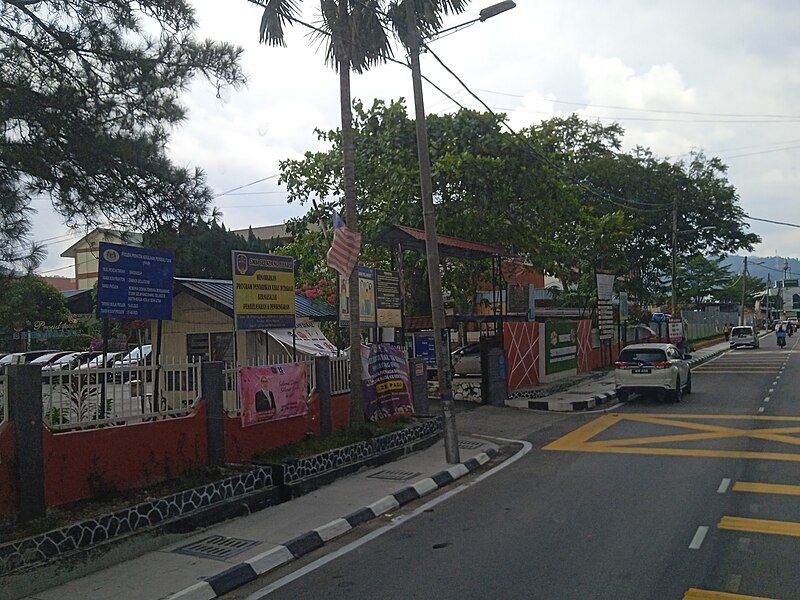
{"x": 59, "y": 282}
{"x": 272, "y": 232}
{"x": 85, "y": 253}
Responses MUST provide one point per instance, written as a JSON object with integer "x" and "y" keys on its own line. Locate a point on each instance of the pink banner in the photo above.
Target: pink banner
{"x": 272, "y": 392}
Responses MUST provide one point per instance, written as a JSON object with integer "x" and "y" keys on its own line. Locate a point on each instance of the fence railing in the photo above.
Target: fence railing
{"x": 90, "y": 397}
{"x": 84, "y": 397}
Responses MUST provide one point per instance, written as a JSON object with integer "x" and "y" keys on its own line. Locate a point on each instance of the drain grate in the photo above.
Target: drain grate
{"x": 217, "y": 547}
{"x": 393, "y": 475}
{"x": 469, "y": 444}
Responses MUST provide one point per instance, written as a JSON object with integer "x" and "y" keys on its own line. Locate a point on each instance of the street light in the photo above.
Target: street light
{"x": 429, "y": 220}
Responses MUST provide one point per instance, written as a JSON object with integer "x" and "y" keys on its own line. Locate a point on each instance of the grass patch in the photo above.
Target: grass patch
{"x": 338, "y": 439}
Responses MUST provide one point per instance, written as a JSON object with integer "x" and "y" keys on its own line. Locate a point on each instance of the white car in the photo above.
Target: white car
{"x": 660, "y": 368}
{"x": 743, "y": 335}
{"x": 467, "y": 359}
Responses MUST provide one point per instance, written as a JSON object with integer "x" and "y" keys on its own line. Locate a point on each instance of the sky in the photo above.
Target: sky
{"x": 721, "y": 76}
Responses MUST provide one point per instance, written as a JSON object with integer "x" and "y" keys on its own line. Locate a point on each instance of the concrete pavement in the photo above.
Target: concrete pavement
{"x": 211, "y": 562}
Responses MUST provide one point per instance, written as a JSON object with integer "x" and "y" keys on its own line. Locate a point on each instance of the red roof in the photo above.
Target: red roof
{"x": 448, "y": 245}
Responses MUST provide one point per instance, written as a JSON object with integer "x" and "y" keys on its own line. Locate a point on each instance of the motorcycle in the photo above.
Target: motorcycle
{"x": 781, "y": 341}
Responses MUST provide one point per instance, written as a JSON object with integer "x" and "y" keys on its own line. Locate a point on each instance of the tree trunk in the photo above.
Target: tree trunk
{"x": 349, "y": 172}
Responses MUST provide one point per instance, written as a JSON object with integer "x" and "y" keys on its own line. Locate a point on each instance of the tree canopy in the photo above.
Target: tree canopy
{"x": 89, "y": 90}
{"x": 561, "y": 194}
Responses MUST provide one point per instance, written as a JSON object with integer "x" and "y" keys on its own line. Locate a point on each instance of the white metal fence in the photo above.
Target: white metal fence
{"x": 104, "y": 396}
{"x": 91, "y": 397}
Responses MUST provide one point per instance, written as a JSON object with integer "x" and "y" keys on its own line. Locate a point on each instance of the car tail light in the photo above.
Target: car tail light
{"x": 620, "y": 364}
{"x": 664, "y": 364}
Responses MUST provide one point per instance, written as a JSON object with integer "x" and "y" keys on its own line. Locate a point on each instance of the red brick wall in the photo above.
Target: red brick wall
{"x": 8, "y": 470}
{"x": 84, "y": 464}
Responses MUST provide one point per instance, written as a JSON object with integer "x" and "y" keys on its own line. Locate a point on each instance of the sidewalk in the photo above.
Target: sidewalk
{"x": 591, "y": 393}
{"x": 214, "y": 561}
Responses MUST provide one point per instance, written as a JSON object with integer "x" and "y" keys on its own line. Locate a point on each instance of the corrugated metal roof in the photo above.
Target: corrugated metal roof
{"x": 219, "y": 294}
{"x": 412, "y": 238}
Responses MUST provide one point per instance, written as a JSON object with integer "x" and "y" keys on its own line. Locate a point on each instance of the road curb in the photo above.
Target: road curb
{"x": 249, "y": 570}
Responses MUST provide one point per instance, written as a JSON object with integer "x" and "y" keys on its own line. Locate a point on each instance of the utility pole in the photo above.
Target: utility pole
{"x": 744, "y": 289}
{"x": 432, "y": 248}
{"x": 769, "y": 315}
{"x": 674, "y": 256}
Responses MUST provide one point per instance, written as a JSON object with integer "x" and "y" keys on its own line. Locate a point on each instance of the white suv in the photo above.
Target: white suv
{"x": 658, "y": 368}
{"x": 744, "y": 335}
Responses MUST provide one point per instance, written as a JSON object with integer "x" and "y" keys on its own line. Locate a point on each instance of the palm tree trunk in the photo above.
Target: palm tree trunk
{"x": 349, "y": 164}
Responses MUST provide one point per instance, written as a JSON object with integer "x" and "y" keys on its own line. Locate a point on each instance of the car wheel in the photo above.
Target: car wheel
{"x": 675, "y": 395}
{"x": 688, "y": 388}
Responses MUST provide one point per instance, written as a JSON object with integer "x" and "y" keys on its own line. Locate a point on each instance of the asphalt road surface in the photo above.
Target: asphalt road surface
{"x": 695, "y": 500}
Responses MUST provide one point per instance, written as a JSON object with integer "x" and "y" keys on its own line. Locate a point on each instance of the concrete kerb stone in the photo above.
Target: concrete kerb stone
{"x": 249, "y": 570}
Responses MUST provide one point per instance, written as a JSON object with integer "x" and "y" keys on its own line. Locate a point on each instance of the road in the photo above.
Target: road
{"x": 696, "y": 500}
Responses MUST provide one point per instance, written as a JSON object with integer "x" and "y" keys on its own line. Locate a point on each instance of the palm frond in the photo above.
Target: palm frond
{"x": 277, "y": 14}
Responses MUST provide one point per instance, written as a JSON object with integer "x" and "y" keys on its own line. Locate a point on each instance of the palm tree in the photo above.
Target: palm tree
{"x": 355, "y": 38}
{"x": 355, "y": 33}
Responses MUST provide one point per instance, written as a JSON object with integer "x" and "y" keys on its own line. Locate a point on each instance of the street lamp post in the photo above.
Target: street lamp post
{"x": 431, "y": 245}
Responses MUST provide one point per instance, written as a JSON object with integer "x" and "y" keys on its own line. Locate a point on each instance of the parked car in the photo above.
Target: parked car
{"x": 648, "y": 368}
{"x": 466, "y": 360}
{"x": 60, "y": 369}
{"x": 23, "y": 357}
{"x": 141, "y": 356}
{"x": 50, "y": 357}
{"x": 743, "y": 335}
{"x": 661, "y": 317}
{"x": 779, "y": 324}
{"x": 95, "y": 364}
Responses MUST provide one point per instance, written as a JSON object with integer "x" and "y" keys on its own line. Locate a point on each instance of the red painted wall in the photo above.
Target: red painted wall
{"x": 84, "y": 464}
{"x": 8, "y": 470}
{"x": 241, "y": 443}
{"x": 522, "y": 354}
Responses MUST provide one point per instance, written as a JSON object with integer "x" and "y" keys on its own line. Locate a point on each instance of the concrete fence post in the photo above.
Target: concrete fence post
{"x": 25, "y": 410}
{"x": 322, "y": 377}
{"x": 212, "y": 382}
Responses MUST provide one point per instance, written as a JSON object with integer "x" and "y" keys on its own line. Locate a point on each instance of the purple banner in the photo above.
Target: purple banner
{"x": 385, "y": 383}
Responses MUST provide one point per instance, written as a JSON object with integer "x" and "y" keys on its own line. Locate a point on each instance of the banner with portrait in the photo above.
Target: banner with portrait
{"x": 272, "y": 392}
{"x": 385, "y": 383}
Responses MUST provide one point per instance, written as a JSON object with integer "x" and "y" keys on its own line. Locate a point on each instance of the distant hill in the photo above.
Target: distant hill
{"x": 761, "y": 266}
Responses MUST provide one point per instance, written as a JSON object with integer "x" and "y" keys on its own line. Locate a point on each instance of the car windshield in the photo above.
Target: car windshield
{"x": 644, "y": 356}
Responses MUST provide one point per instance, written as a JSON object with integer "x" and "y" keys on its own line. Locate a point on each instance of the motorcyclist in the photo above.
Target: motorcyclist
{"x": 789, "y": 329}
{"x": 780, "y": 335}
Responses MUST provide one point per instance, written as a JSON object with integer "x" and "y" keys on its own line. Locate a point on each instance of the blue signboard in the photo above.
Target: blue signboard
{"x": 134, "y": 282}
{"x": 425, "y": 347}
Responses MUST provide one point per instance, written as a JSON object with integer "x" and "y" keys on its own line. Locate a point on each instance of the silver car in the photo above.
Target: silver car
{"x": 659, "y": 368}
{"x": 744, "y": 335}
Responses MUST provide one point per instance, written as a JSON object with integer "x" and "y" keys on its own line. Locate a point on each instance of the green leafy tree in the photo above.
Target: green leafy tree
{"x": 701, "y": 279}
{"x": 732, "y": 293}
{"x": 28, "y": 300}
{"x": 89, "y": 92}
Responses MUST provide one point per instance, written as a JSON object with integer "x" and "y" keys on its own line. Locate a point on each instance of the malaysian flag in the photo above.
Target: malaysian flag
{"x": 343, "y": 253}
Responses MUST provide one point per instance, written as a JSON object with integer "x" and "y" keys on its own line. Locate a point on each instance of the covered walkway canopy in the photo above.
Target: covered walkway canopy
{"x": 409, "y": 238}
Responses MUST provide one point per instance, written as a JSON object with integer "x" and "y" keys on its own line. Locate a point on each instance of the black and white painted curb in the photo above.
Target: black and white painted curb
{"x": 569, "y": 405}
{"x": 249, "y": 570}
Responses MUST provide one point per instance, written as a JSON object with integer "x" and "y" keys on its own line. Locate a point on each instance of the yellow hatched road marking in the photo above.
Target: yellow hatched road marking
{"x": 766, "y": 488}
{"x": 581, "y": 440}
{"x": 760, "y": 526}
{"x": 698, "y": 594}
